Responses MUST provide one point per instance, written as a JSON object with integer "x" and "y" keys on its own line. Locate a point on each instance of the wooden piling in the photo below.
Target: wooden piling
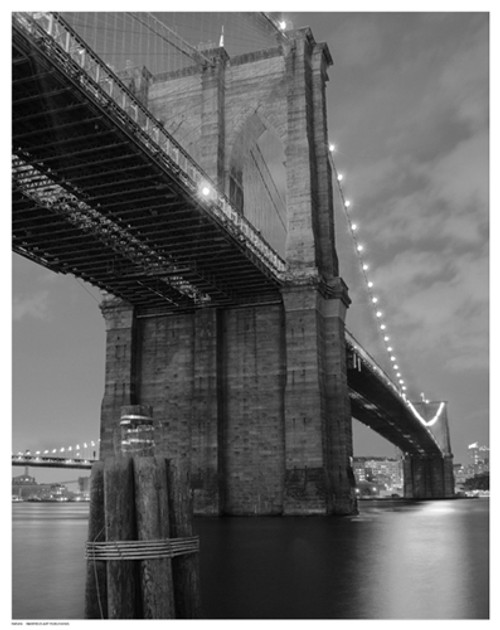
{"x": 124, "y": 601}
{"x": 152, "y": 509}
{"x": 96, "y": 606}
{"x": 185, "y": 568}
{"x": 143, "y": 504}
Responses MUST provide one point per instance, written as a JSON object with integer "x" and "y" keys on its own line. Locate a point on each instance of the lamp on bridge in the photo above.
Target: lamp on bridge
{"x": 206, "y": 191}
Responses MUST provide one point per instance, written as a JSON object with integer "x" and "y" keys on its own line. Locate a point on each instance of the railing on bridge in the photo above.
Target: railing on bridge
{"x": 63, "y": 44}
{"x": 370, "y": 363}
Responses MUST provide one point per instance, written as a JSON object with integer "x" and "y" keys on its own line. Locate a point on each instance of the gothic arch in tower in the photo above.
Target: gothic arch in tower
{"x": 257, "y": 179}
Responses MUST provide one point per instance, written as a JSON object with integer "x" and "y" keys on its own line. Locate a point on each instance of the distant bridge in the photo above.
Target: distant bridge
{"x": 42, "y": 461}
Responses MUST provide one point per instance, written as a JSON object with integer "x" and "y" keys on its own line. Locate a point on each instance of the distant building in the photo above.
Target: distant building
{"x": 460, "y": 474}
{"x": 479, "y": 459}
{"x": 83, "y": 484}
{"x": 84, "y": 487}
{"x": 59, "y": 492}
{"x": 26, "y": 487}
{"x": 385, "y": 473}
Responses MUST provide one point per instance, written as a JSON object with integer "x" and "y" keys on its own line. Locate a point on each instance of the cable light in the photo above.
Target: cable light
{"x": 433, "y": 420}
{"x": 360, "y": 248}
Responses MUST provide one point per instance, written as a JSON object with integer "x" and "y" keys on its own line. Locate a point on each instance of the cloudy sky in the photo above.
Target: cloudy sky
{"x": 408, "y": 113}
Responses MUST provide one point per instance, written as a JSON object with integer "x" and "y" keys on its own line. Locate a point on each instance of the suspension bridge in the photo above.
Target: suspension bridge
{"x": 195, "y": 187}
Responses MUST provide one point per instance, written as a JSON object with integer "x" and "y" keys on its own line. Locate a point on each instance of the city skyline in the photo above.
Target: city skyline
{"x": 32, "y": 470}
{"x": 410, "y": 126}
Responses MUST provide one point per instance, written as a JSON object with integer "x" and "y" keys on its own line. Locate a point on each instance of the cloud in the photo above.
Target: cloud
{"x": 461, "y": 177}
{"x": 442, "y": 314}
{"x": 35, "y": 305}
{"x": 356, "y": 43}
{"x": 443, "y": 205}
{"x": 429, "y": 146}
{"x": 465, "y": 78}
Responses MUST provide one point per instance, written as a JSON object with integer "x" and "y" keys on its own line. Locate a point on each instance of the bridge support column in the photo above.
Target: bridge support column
{"x": 179, "y": 358}
{"x": 428, "y": 477}
{"x": 120, "y": 377}
{"x": 207, "y": 413}
{"x": 448, "y": 476}
{"x": 212, "y": 117}
{"x": 318, "y": 438}
{"x": 431, "y": 477}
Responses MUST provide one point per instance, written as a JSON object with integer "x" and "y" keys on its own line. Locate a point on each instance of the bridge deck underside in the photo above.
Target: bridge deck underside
{"x": 381, "y": 409}
{"x": 78, "y": 144}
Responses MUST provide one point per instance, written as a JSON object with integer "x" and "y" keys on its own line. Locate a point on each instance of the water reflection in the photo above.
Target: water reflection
{"x": 395, "y": 560}
{"x": 421, "y": 561}
{"x": 47, "y": 560}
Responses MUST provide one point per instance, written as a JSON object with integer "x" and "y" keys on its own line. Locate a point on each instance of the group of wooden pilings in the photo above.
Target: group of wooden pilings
{"x": 142, "y": 559}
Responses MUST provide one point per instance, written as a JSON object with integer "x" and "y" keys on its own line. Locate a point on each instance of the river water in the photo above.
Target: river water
{"x": 395, "y": 560}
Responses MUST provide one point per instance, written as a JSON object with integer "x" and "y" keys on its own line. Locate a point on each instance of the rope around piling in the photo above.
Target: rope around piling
{"x": 141, "y": 549}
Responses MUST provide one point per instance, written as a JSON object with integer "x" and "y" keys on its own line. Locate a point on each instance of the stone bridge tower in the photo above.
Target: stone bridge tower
{"x": 255, "y": 397}
{"x": 431, "y": 477}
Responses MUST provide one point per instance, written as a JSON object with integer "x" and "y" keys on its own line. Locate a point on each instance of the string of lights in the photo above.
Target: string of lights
{"x": 374, "y": 300}
{"x": 379, "y": 314}
{"x": 76, "y": 450}
{"x": 434, "y": 419}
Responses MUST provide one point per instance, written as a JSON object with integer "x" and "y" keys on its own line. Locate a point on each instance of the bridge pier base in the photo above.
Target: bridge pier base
{"x": 253, "y": 398}
{"x": 317, "y": 414}
{"x": 428, "y": 477}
